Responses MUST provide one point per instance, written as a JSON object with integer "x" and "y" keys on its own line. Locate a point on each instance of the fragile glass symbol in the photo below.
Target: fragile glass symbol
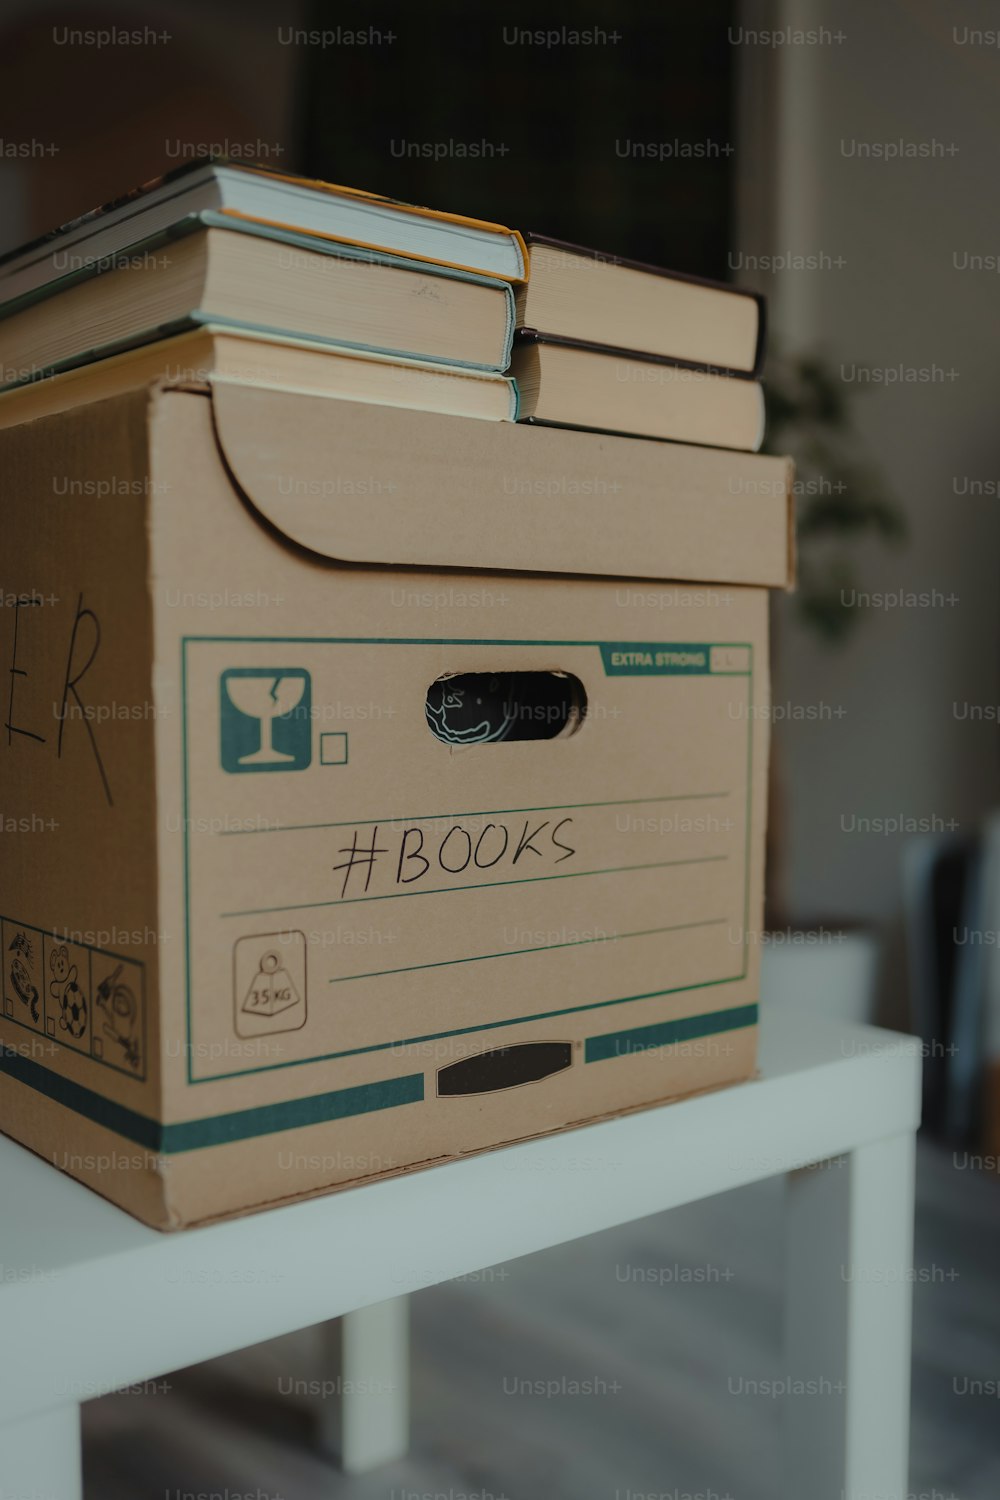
{"x": 272, "y": 990}
{"x": 265, "y": 698}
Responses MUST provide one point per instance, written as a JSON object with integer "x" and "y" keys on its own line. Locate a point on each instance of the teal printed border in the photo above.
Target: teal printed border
{"x": 317, "y": 1109}
{"x": 668, "y": 1033}
{"x": 210, "y": 1130}
{"x": 602, "y": 647}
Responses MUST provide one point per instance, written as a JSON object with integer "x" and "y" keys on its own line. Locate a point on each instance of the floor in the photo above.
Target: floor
{"x": 645, "y": 1338}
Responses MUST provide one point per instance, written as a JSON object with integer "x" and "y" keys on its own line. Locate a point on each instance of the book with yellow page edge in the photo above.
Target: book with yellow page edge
{"x": 250, "y": 195}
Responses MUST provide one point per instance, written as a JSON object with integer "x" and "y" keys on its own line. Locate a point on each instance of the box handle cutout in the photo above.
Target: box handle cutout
{"x": 489, "y": 708}
{"x": 504, "y": 1068}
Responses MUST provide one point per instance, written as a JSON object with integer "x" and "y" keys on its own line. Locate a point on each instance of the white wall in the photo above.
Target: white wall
{"x": 897, "y": 74}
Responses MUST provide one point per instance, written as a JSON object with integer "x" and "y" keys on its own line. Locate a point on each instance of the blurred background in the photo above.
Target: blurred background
{"x": 840, "y": 157}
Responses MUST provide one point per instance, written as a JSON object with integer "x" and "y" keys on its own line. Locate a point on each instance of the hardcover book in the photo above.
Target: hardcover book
{"x": 583, "y": 294}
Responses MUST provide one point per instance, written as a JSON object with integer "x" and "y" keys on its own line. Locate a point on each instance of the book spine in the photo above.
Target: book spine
{"x": 536, "y": 336}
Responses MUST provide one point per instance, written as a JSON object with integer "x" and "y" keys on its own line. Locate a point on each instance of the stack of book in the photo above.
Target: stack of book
{"x": 611, "y": 344}
{"x": 224, "y": 271}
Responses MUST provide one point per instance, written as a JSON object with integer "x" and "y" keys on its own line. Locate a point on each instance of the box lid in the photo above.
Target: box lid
{"x": 374, "y": 484}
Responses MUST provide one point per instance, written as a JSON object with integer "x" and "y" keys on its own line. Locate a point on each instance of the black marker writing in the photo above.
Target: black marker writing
{"x": 524, "y": 842}
{"x": 356, "y": 857}
{"x": 70, "y": 687}
{"x": 558, "y": 842}
{"x": 406, "y": 854}
{"x": 15, "y": 672}
{"x": 485, "y": 864}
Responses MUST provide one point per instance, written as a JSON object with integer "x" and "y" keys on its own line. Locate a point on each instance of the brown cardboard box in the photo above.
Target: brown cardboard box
{"x": 263, "y": 933}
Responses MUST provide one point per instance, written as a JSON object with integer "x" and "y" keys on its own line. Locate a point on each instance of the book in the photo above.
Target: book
{"x": 582, "y": 294}
{"x": 256, "y": 278}
{"x": 193, "y": 360}
{"x": 239, "y": 192}
{"x": 568, "y": 383}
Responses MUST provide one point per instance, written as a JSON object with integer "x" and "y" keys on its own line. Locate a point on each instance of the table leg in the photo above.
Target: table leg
{"x": 40, "y": 1456}
{"x": 848, "y": 1281}
{"x": 368, "y": 1421}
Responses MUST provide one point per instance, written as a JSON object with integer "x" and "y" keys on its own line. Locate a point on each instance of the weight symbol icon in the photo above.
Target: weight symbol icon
{"x": 270, "y": 983}
{"x": 272, "y": 990}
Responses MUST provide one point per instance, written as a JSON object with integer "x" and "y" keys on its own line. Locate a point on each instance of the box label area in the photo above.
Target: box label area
{"x": 377, "y": 888}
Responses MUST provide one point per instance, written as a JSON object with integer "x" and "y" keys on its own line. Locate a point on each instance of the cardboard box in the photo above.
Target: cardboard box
{"x": 264, "y": 933}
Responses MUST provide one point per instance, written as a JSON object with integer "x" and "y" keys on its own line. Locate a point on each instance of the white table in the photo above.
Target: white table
{"x": 91, "y": 1300}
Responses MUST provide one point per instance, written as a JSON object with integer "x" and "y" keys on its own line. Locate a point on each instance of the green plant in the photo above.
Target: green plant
{"x": 842, "y": 497}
